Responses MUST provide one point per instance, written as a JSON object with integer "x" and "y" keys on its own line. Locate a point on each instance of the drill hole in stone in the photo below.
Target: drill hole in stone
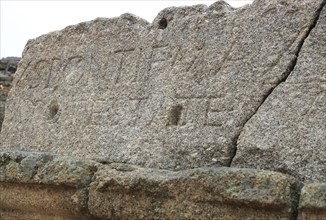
{"x": 175, "y": 115}
{"x": 163, "y": 23}
{"x": 54, "y": 109}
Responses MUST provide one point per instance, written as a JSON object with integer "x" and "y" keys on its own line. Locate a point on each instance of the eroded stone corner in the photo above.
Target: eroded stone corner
{"x": 44, "y": 186}
{"x": 313, "y": 202}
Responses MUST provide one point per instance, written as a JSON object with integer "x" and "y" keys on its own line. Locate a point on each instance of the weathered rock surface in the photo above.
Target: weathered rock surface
{"x": 8, "y": 67}
{"x": 312, "y": 202}
{"x": 288, "y": 133}
{"x": 174, "y": 94}
{"x": 45, "y": 186}
{"x": 3, "y": 98}
{"x": 218, "y": 193}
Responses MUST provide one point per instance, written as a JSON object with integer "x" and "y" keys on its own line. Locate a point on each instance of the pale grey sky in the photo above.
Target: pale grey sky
{"x": 23, "y": 20}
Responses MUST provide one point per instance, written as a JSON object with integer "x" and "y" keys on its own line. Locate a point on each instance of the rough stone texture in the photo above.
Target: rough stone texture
{"x": 312, "y": 204}
{"x": 43, "y": 186}
{"x": 46, "y": 186}
{"x": 41, "y": 201}
{"x": 8, "y": 67}
{"x": 288, "y": 133}
{"x": 126, "y": 192}
{"x": 3, "y": 98}
{"x": 174, "y": 94}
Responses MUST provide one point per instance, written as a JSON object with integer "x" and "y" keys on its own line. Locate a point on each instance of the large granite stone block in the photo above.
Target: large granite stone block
{"x": 173, "y": 94}
{"x": 126, "y": 192}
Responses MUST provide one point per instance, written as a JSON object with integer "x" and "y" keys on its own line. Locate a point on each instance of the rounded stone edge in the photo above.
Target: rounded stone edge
{"x": 313, "y": 196}
{"x": 221, "y": 187}
{"x": 44, "y": 168}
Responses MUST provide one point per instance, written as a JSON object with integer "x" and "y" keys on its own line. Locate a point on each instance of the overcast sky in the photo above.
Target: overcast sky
{"x": 23, "y": 20}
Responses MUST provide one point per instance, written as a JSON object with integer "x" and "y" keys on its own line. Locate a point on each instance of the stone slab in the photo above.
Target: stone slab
{"x": 312, "y": 205}
{"x": 41, "y": 201}
{"x": 287, "y": 133}
{"x": 127, "y": 192}
{"x": 173, "y": 94}
{"x": 44, "y": 186}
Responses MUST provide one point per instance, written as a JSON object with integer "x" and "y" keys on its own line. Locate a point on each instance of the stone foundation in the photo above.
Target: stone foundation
{"x": 44, "y": 186}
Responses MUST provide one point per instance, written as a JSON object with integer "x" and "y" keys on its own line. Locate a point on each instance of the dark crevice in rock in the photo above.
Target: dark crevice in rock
{"x": 285, "y": 75}
{"x": 234, "y": 149}
{"x": 93, "y": 171}
{"x": 103, "y": 162}
{"x": 296, "y": 192}
{"x": 85, "y": 194}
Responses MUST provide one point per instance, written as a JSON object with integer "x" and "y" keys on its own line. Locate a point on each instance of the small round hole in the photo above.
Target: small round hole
{"x": 162, "y": 24}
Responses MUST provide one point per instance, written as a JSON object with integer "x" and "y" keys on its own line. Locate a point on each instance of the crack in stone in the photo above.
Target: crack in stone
{"x": 296, "y": 199}
{"x": 87, "y": 193}
{"x": 289, "y": 70}
{"x": 297, "y": 190}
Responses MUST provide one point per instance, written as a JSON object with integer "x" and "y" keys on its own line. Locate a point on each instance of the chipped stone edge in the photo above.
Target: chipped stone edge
{"x": 47, "y": 170}
{"x": 312, "y": 203}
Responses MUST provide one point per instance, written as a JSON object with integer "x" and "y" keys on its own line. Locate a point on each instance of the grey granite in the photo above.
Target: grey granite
{"x": 173, "y": 94}
{"x": 288, "y": 132}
